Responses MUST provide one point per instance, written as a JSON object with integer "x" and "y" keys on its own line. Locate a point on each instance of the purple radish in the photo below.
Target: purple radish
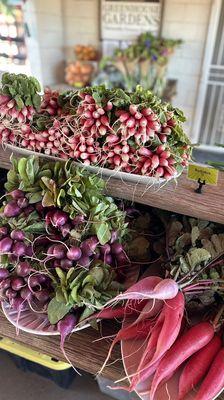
{"x": 17, "y": 194}
{"x": 17, "y": 234}
{"x": 66, "y": 263}
{"x": 105, "y": 249}
{"x": 6, "y": 245}
{"x": 33, "y": 281}
{"x": 59, "y": 218}
{"x": 19, "y": 249}
{"x": 11, "y": 209}
{"x": 23, "y": 268}
{"x": 26, "y": 293}
{"x": 3, "y": 231}
{"x": 28, "y": 210}
{"x": 23, "y": 202}
{"x": 108, "y": 259}
{"x": 10, "y": 293}
{"x": 4, "y": 273}
{"x": 5, "y": 283}
{"x": 89, "y": 245}
{"x": 116, "y": 248}
{"x": 74, "y": 253}
{"x": 18, "y": 304}
{"x": 42, "y": 295}
{"x": 84, "y": 261}
{"x": 122, "y": 259}
{"x": 65, "y": 327}
{"x": 79, "y": 219}
{"x": 114, "y": 236}
{"x": 17, "y": 283}
{"x": 29, "y": 251}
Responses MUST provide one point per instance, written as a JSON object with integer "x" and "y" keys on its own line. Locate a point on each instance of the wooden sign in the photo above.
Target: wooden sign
{"x": 207, "y": 174}
{"x": 124, "y": 20}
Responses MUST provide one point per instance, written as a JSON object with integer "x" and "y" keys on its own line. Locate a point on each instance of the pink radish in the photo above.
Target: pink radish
{"x": 197, "y": 366}
{"x": 189, "y": 343}
{"x": 213, "y": 384}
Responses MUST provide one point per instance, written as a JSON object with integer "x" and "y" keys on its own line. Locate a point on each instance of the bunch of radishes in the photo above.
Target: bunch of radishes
{"x": 172, "y": 357}
{"x": 19, "y": 97}
{"x": 49, "y": 103}
{"x": 130, "y": 132}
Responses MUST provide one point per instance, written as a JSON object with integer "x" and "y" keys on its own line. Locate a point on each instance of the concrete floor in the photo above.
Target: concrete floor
{"x": 18, "y": 385}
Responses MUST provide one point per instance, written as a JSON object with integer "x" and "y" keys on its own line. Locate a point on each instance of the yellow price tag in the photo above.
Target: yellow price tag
{"x": 207, "y": 174}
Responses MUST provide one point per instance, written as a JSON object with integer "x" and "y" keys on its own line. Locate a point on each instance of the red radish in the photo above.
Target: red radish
{"x": 163, "y": 162}
{"x": 213, "y": 384}
{"x": 197, "y": 366}
{"x": 165, "y": 154}
{"x": 143, "y": 151}
{"x": 173, "y": 311}
{"x": 159, "y": 171}
{"x": 189, "y": 343}
{"x": 154, "y": 161}
{"x": 124, "y": 116}
{"x": 130, "y": 123}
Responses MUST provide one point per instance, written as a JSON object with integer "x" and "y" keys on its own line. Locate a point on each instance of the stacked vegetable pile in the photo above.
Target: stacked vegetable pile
{"x": 130, "y": 132}
{"x": 61, "y": 240}
{"x": 173, "y": 322}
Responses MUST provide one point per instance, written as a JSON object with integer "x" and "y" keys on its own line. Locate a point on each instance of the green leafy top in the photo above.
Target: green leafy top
{"x": 72, "y": 189}
{"x": 193, "y": 243}
{"x": 88, "y": 290}
{"x": 23, "y": 89}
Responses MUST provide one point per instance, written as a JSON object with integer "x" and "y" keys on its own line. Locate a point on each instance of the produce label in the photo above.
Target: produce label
{"x": 207, "y": 174}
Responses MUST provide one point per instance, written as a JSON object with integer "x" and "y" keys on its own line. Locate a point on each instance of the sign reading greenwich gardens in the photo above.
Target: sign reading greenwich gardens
{"x": 124, "y": 20}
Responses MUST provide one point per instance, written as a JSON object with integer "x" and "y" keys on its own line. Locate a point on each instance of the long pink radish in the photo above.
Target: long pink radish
{"x": 193, "y": 340}
{"x": 213, "y": 384}
{"x": 172, "y": 312}
{"x": 197, "y": 366}
{"x": 149, "y": 288}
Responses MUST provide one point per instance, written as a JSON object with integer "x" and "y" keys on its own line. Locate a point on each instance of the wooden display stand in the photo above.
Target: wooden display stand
{"x": 179, "y": 197}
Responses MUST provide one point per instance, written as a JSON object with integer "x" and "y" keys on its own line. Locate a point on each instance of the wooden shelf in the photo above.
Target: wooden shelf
{"x": 80, "y": 348}
{"x": 178, "y": 197}
{"x": 175, "y": 197}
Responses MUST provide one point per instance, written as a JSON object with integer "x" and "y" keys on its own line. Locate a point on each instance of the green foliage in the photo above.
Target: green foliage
{"x": 72, "y": 189}
{"x": 88, "y": 290}
{"x": 23, "y": 89}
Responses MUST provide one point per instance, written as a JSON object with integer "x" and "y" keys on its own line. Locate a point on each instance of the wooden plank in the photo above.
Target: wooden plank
{"x": 79, "y": 347}
{"x": 174, "y": 196}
